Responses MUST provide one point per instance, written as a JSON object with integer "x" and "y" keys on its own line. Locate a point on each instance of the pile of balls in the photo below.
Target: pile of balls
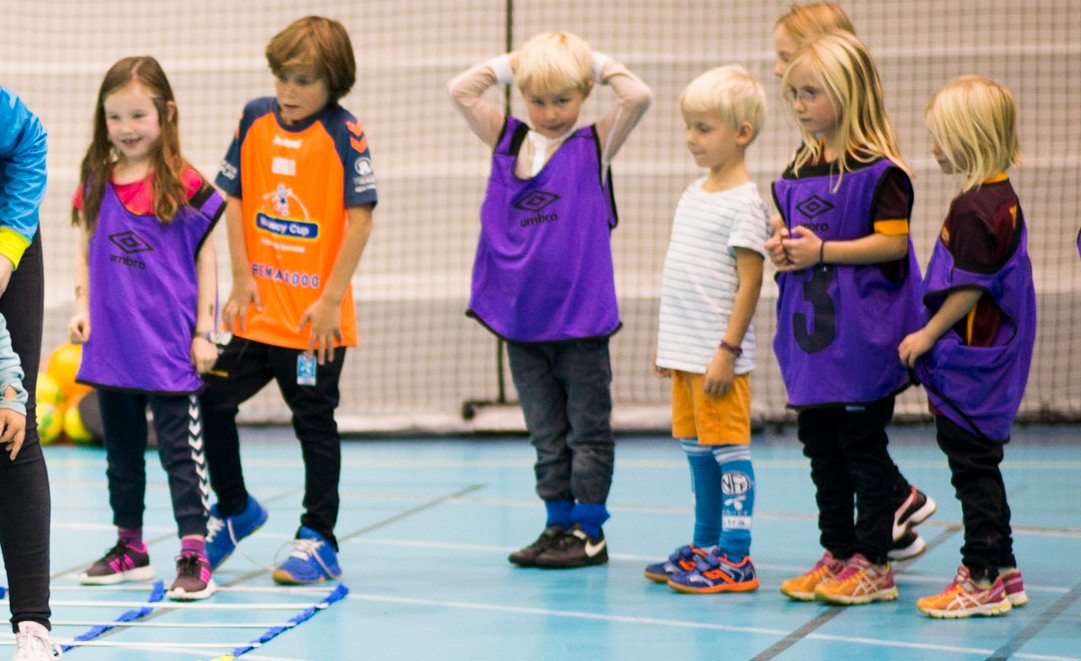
{"x": 58, "y": 398}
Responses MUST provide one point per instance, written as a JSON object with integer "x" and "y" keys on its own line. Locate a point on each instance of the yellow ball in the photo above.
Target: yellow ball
{"x": 48, "y": 390}
{"x": 73, "y": 424}
{"x": 63, "y": 365}
{"x": 50, "y": 421}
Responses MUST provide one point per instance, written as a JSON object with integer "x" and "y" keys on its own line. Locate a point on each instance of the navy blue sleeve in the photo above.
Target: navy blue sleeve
{"x": 351, "y": 144}
{"x": 228, "y": 178}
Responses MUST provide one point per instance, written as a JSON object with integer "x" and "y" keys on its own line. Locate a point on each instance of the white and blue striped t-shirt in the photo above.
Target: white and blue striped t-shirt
{"x": 699, "y": 282}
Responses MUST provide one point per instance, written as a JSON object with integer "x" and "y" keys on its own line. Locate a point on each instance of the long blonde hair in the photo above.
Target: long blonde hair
{"x": 974, "y": 121}
{"x": 843, "y": 67}
{"x": 167, "y": 164}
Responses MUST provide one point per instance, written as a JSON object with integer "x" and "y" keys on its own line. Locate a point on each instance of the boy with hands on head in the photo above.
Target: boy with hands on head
{"x": 543, "y": 277}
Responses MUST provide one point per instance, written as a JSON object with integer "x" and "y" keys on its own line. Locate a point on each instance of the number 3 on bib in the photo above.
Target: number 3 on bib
{"x": 823, "y": 329}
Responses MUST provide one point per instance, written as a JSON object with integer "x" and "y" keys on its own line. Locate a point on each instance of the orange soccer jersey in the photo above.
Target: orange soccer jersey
{"x": 296, "y": 183}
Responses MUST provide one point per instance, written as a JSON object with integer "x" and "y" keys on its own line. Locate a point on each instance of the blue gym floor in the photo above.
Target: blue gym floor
{"x": 426, "y": 526}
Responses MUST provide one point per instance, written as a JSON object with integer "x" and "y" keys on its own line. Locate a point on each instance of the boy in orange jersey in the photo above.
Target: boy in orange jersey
{"x": 300, "y": 189}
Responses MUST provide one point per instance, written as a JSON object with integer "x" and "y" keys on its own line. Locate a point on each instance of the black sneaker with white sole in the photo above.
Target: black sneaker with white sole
{"x": 908, "y": 547}
{"x": 914, "y": 510}
{"x": 527, "y": 556}
{"x": 575, "y": 548}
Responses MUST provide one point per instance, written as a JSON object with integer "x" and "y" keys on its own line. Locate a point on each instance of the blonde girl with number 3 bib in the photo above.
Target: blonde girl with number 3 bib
{"x": 798, "y": 25}
{"x": 848, "y": 290}
{"x": 145, "y": 297}
{"x": 974, "y": 352}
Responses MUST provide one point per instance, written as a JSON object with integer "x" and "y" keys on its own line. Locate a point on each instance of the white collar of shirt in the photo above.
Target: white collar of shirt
{"x": 540, "y": 148}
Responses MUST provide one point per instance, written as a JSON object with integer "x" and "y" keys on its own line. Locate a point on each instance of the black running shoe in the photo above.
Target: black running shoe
{"x": 575, "y": 548}
{"x": 527, "y": 557}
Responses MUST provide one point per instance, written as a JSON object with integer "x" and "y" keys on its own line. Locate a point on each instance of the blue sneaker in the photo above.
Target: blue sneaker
{"x": 222, "y": 535}
{"x": 313, "y": 560}
{"x": 716, "y": 573}
{"x": 682, "y": 560}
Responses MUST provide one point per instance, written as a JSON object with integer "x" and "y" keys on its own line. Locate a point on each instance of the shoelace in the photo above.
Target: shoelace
{"x": 214, "y": 525}
{"x": 306, "y": 549}
{"x": 31, "y": 646}
{"x": 188, "y": 565}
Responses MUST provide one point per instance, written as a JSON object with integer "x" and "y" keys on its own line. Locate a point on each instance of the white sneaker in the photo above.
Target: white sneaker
{"x": 32, "y": 643}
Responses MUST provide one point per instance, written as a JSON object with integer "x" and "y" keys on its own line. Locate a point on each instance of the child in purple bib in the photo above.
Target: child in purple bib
{"x": 974, "y": 351}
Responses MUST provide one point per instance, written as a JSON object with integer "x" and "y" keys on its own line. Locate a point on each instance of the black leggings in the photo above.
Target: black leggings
{"x": 24, "y": 483}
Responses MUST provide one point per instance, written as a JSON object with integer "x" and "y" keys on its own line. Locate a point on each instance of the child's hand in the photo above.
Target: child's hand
{"x": 79, "y": 328}
{"x": 775, "y": 247}
{"x": 717, "y": 380}
{"x": 913, "y": 346}
{"x": 662, "y": 372}
{"x": 203, "y": 354}
{"x": 803, "y": 248}
{"x": 245, "y": 293}
{"x": 326, "y": 320}
{"x": 12, "y": 427}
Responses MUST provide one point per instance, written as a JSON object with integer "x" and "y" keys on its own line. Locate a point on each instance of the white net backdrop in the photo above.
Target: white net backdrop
{"x": 420, "y": 358}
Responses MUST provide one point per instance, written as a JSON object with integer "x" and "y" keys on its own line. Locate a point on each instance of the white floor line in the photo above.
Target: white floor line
{"x": 683, "y": 624}
{"x": 168, "y": 625}
{"x": 901, "y": 576}
{"x": 190, "y": 605}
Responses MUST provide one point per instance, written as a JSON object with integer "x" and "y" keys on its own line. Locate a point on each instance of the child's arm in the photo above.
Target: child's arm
{"x": 15, "y": 397}
{"x": 721, "y": 370}
{"x": 467, "y": 91}
{"x": 958, "y": 303}
{"x": 805, "y": 249}
{"x": 634, "y": 99}
{"x": 79, "y": 325}
{"x": 22, "y": 148}
{"x": 245, "y": 291}
{"x": 203, "y": 351}
{"x": 324, "y": 314}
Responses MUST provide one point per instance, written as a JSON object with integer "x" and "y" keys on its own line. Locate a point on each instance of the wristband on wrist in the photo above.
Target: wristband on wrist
{"x": 734, "y": 350}
{"x": 822, "y": 253}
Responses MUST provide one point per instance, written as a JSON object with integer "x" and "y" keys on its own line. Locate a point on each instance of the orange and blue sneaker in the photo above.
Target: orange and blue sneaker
{"x": 682, "y": 560}
{"x": 1014, "y": 586}
{"x": 963, "y": 597}
{"x": 860, "y": 582}
{"x": 716, "y": 573}
{"x": 802, "y": 587}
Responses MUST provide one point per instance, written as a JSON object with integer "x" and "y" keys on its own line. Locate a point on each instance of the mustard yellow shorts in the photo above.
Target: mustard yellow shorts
{"x": 713, "y": 420}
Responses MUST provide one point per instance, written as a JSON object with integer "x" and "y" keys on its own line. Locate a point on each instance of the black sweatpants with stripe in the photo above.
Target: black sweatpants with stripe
{"x": 178, "y": 425}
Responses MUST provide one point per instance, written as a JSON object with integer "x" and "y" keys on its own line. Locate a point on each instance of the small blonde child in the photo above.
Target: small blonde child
{"x": 710, "y": 286}
{"x": 543, "y": 279}
{"x": 974, "y": 351}
{"x": 848, "y": 292}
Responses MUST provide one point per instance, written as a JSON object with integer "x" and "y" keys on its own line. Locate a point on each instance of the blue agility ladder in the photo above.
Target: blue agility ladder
{"x": 157, "y": 592}
{"x": 337, "y": 595}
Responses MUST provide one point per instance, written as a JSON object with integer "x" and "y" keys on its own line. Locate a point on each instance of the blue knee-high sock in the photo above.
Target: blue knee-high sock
{"x": 559, "y": 513}
{"x": 591, "y": 516}
{"x": 706, "y": 487}
{"x": 737, "y": 480}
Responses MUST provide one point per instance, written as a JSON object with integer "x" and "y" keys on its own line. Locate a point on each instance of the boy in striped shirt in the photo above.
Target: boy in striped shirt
{"x": 711, "y": 281}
